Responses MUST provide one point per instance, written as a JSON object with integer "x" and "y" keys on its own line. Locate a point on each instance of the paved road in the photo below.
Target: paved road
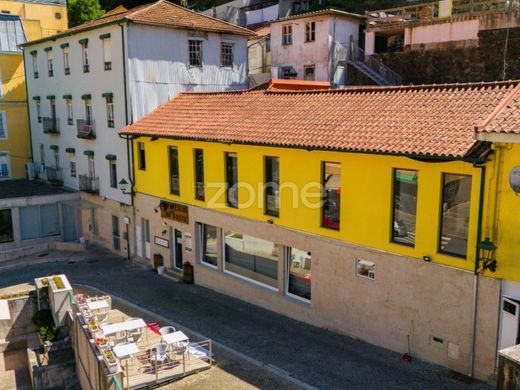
{"x": 315, "y": 356}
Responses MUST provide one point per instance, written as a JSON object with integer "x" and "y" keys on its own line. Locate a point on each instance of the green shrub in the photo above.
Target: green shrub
{"x": 45, "y": 324}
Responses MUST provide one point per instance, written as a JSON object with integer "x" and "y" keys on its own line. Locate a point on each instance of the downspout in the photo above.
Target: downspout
{"x": 27, "y": 105}
{"x": 476, "y": 274}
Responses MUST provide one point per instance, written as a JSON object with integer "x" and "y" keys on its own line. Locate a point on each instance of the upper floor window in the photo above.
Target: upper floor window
{"x": 42, "y": 154}
{"x": 456, "y": 197}
{"x": 66, "y": 51}
{"x": 88, "y": 112}
{"x": 310, "y": 31}
{"x": 226, "y": 54}
{"x": 34, "y": 58}
{"x": 198, "y": 156}
{"x": 195, "y": 52}
{"x": 174, "y": 170}
{"x": 3, "y": 125}
{"x": 5, "y": 166}
{"x": 38, "y": 109}
{"x": 113, "y": 173}
{"x": 271, "y": 186}
{"x": 231, "y": 180}
{"x": 84, "y": 55}
{"x": 110, "y": 109}
{"x": 68, "y": 104}
{"x": 287, "y": 34}
{"x": 404, "y": 206}
{"x": 141, "y": 156}
{"x": 107, "y": 52}
{"x": 52, "y": 105}
{"x": 309, "y": 72}
{"x": 50, "y": 67}
{"x": 331, "y": 183}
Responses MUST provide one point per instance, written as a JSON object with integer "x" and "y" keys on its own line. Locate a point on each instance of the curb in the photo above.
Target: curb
{"x": 268, "y": 367}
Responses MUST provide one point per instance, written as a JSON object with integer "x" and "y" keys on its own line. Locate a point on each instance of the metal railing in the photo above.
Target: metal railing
{"x": 429, "y": 11}
{"x": 356, "y": 54}
{"x": 54, "y": 175}
{"x": 86, "y": 129}
{"x": 51, "y": 125}
{"x": 89, "y": 184}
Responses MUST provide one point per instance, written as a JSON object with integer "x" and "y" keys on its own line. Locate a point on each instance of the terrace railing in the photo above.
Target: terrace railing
{"x": 86, "y": 129}
{"x": 372, "y": 66}
{"x": 89, "y": 184}
{"x": 54, "y": 176}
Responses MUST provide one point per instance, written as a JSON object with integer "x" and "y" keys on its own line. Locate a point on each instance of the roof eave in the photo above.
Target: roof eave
{"x": 180, "y": 27}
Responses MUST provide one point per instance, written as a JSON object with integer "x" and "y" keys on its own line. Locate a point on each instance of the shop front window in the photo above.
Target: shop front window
{"x": 208, "y": 249}
{"x": 6, "y": 226}
{"x": 299, "y": 273}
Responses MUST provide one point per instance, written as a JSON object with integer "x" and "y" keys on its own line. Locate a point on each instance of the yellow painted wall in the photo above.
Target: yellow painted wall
{"x": 366, "y": 188}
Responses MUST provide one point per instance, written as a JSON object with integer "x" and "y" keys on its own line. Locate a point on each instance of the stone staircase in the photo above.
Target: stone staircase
{"x": 371, "y": 67}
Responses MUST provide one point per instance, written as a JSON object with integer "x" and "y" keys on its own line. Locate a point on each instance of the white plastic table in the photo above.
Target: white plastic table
{"x": 98, "y": 305}
{"x": 111, "y": 329}
{"x": 125, "y": 351}
{"x": 175, "y": 337}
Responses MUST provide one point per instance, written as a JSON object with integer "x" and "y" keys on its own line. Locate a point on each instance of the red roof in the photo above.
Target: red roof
{"x": 431, "y": 120}
{"x": 506, "y": 118}
{"x": 160, "y": 13}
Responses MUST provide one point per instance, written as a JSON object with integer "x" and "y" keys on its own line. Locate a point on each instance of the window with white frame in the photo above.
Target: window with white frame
{"x": 113, "y": 173}
{"x": 72, "y": 168}
{"x": 226, "y": 54}
{"x": 3, "y": 125}
{"x": 298, "y": 281}
{"x": 365, "y": 269}
{"x": 34, "y": 57}
{"x": 208, "y": 244}
{"x": 70, "y": 116}
{"x": 38, "y": 109}
{"x": 88, "y": 112}
{"x": 195, "y": 52}
{"x": 50, "y": 67}
{"x": 310, "y": 31}
{"x": 287, "y": 34}
{"x": 84, "y": 55}
{"x": 107, "y": 53}
{"x": 66, "y": 64}
{"x": 5, "y": 165}
{"x": 110, "y": 111}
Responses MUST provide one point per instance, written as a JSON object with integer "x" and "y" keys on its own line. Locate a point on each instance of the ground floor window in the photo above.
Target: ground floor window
{"x": 208, "y": 247}
{"x": 251, "y": 257}
{"x": 6, "y": 226}
{"x": 39, "y": 221}
{"x": 299, "y": 273}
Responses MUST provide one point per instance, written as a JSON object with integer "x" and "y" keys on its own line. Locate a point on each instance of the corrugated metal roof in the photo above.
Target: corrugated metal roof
{"x": 11, "y": 33}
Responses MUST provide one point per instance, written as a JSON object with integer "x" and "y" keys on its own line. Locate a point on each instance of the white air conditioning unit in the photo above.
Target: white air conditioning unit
{"x": 30, "y": 171}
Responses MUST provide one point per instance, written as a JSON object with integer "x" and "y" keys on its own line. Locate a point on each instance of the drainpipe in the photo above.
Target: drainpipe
{"x": 27, "y": 105}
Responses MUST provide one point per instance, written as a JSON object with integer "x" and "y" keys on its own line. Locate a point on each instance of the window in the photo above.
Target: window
{"x": 310, "y": 31}
{"x": 107, "y": 54}
{"x": 84, "y": 55}
{"x": 66, "y": 65}
{"x": 93, "y": 222}
{"x": 365, "y": 269}
{"x": 231, "y": 180}
{"x": 226, "y": 54}
{"x": 42, "y": 154}
{"x": 174, "y": 170}
{"x": 49, "y": 63}
{"x": 272, "y": 186}
{"x": 88, "y": 112}
{"x": 38, "y": 110}
{"x": 34, "y": 56}
{"x": 298, "y": 273}
{"x": 252, "y": 258}
{"x": 309, "y": 72}
{"x": 113, "y": 173}
{"x": 3, "y": 124}
{"x": 195, "y": 52}
{"x": 56, "y": 154}
{"x": 208, "y": 247}
{"x": 57, "y": 15}
{"x": 287, "y": 34}
{"x": 6, "y": 226}
{"x": 404, "y": 206}
{"x": 72, "y": 168}
{"x": 70, "y": 119}
{"x": 141, "y": 155}
{"x": 456, "y": 196}
{"x": 115, "y": 233}
{"x": 5, "y": 166}
{"x": 331, "y": 182}
{"x": 39, "y": 221}
{"x": 52, "y": 105}
{"x": 198, "y": 156}
{"x": 110, "y": 111}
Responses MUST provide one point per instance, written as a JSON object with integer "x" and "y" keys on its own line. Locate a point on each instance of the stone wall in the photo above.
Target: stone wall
{"x": 454, "y": 64}
{"x": 508, "y": 375}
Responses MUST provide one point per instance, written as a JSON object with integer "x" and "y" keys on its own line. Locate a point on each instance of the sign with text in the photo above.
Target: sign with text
{"x": 161, "y": 241}
{"x": 175, "y": 211}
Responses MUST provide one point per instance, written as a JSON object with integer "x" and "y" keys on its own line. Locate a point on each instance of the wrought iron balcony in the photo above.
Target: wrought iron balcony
{"x": 54, "y": 176}
{"x": 89, "y": 184}
{"x": 86, "y": 129}
{"x": 51, "y": 125}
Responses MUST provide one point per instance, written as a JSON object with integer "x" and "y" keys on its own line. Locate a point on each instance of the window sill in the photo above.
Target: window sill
{"x": 330, "y": 228}
{"x": 298, "y": 300}
{"x": 453, "y": 255}
{"x": 208, "y": 265}
{"x": 250, "y": 281}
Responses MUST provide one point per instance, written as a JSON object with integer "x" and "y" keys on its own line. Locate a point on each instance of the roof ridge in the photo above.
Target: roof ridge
{"x": 499, "y": 108}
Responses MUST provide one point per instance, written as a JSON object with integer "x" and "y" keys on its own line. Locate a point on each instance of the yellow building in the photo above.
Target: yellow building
{"x": 20, "y": 21}
{"x": 363, "y": 210}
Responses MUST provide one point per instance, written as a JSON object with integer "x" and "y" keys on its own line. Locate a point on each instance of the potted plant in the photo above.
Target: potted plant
{"x": 110, "y": 360}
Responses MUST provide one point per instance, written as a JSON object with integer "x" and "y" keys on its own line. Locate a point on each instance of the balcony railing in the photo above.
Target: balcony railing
{"x": 89, "y": 184}
{"x": 51, "y": 125}
{"x": 86, "y": 129}
{"x": 54, "y": 176}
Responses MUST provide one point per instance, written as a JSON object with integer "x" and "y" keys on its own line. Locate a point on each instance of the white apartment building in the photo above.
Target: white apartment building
{"x": 86, "y": 83}
{"x": 314, "y": 45}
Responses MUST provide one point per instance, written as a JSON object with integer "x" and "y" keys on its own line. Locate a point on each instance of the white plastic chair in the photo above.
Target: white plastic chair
{"x": 166, "y": 330}
{"x": 159, "y": 355}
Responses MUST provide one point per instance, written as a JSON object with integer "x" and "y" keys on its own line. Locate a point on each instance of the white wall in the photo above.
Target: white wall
{"x": 445, "y": 32}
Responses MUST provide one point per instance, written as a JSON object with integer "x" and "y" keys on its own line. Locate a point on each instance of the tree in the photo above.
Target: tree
{"x": 81, "y": 11}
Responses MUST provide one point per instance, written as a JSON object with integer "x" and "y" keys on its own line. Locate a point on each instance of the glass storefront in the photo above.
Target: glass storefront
{"x": 299, "y": 273}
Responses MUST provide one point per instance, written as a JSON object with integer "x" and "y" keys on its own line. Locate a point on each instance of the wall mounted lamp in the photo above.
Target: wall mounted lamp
{"x": 487, "y": 255}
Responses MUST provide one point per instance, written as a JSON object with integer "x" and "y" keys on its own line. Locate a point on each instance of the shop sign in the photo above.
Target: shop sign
{"x": 161, "y": 241}
{"x": 175, "y": 211}
{"x": 187, "y": 242}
